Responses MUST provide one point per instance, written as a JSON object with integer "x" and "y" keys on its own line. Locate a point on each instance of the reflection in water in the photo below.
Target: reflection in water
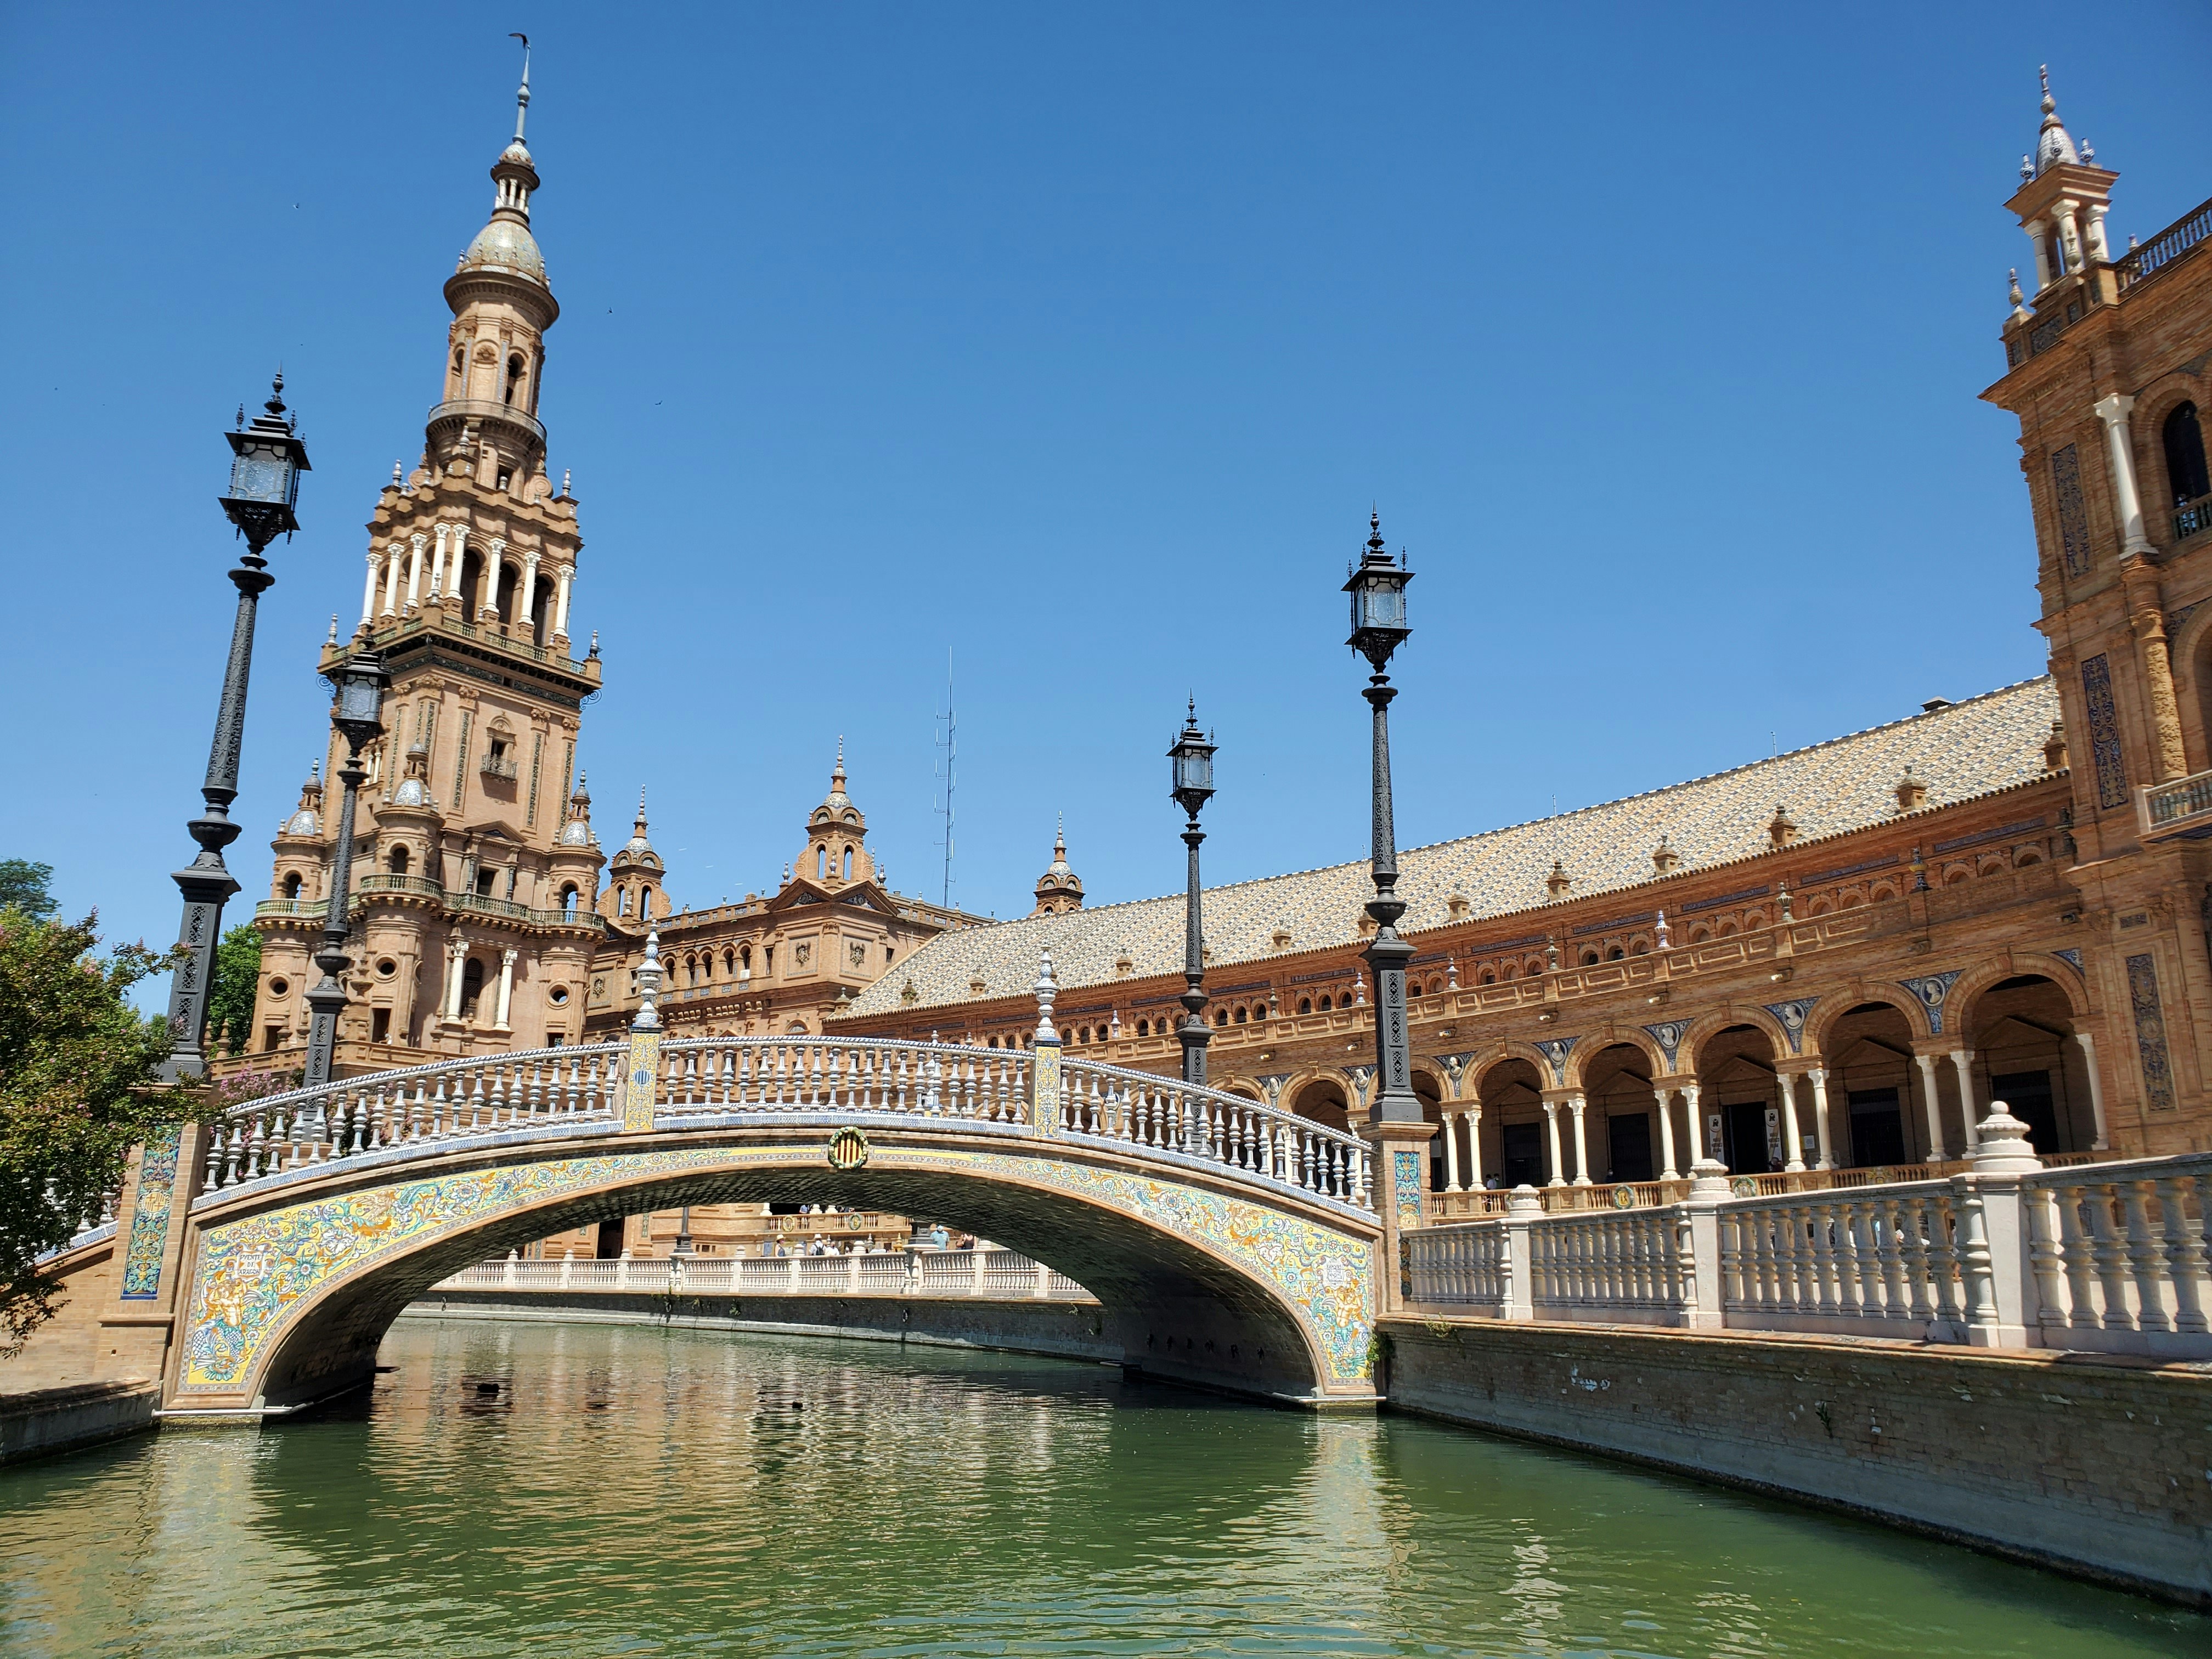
{"x": 594, "y": 1490}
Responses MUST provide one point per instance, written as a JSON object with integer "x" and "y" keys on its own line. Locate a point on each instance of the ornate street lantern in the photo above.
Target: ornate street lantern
{"x": 1191, "y": 760}
{"x": 267, "y": 459}
{"x": 1378, "y": 600}
{"x": 360, "y": 681}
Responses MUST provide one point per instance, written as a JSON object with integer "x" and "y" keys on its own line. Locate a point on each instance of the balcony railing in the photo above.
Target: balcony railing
{"x": 483, "y": 409}
{"x": 2183, "y": 803}
{"x": 423, "y": 886}
{"x": 390, "y": 883}
{"x": 2140, "y": 263}
{"x": 497, "y": 766}
{"x": 2190, "y": 517}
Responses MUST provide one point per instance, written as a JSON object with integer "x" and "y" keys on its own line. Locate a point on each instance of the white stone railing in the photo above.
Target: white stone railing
{"x": 2107, "y": 1257}
{"x": 1001, "y": 1275}
{"x": 746, "y": 1081}
{"x": 1106, "y": 1102}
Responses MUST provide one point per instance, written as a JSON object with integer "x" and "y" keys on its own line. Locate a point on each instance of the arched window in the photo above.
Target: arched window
{"x": 622, "y": 903}
{"x": 471, "y": 586}
{"x": 1511, "y": 970}
{"x": 1615, "y": 954}
{"x": 2185, "y": 474}
{"x": 473, "y": 978}
{"x": 730, "y": 964}
{"x": 460, "y": 360}
{"x": 569, "y": 900}
{"x": 1589, "y": 959}
{"x": 1143, "y": 1028}
{"x": 745, "y": 957}
{"x": 509, "y": 579}
{"x": 849, "y": 864}
{"x": 821, "y": 863}
{"x": 1240, "y": 1013}
{"x": 396, "y": 863}
{"x": 1221, "y": 1017}
{"x": 1488, "y": 978}
{"x": 1324, "y": 1005}
{"x": 1305, "y": 1005}
{"x": 514, "y": 367}
{"x": 292, "y": 885}
{"x": 645, "y": 904}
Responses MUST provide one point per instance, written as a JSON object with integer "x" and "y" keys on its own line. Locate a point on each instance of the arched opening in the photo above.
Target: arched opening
{"x": 508, "y": 578}
{"x": 569, "y": 900}
{"x": 849, "y": 864}
{"x": 1514, "y": 1152}
{"x": 1737, "y": 1070}
{"x": 622, "y": 901}
{"x": 472, "y": 980}
{"x": 1619, "y": 1115}
{"x": 1877, "y": 1113}
{"x": 515, "y": 367}
{"x": 541, "y": 610}
{"x": 745, "y": 958}
{"x": 1174, "y": 1305}
{"x": 460, "y": 371}
{"x": 645, "y": 903}
{"x": 397, "y": 860}
{"x": 1590, "y": 958}
{"x": 2021, "y": 1031}
{"x": 821, "y": 864}
{"x": 292, "y": 885}
{"x": 1430, "y": 1093}
{"x": 471, "y": 587}
{"x": 1322, "y": 1100}
{"x": 2186, "y": 476}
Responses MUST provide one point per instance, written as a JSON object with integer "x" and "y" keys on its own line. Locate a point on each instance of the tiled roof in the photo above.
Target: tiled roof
{"x": 1969, "y": 748}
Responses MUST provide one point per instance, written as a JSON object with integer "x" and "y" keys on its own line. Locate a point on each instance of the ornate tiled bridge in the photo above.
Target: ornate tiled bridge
{"x": 1228, "y": 1244}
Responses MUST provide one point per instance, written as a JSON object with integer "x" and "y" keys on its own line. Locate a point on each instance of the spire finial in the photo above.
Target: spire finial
{"x": 522, "y": 92}
{"x": 333, "y": 638}
{"x": 395, "y": 477}
{"x": 2043, "y": 74}
{"x": 1059, "y": 836}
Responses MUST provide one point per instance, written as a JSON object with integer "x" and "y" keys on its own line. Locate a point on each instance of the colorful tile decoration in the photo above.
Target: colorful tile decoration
{"x": 1406, "y": 1185}
{"x": 639, "y": 1077}
{"x": 2150, "y": 1033}
{"x": 1555, "y": 1051}
{"x": 256, "y": 1274}
{"x": 2073, "y": 511}
{"x": 2104, "y": 733}
{"x": 1044, "y": 1088}
{"x": 1668, "y": 1035}
{"x": 1932, "y": 989}
{"x": 1792, "y": 1016}
{"x": 150, "y": 1216}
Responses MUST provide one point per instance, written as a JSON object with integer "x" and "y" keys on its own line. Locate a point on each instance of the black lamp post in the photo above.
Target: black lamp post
{"x": 1192, "y": 757}
{"x": 1378, "y": 625}
{"x": 267, "y": 459}
{"x": 360, "y": 681}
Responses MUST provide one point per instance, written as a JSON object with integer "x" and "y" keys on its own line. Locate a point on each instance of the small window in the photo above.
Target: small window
{"x": 484, "y": 880}
{"x": 849, "y": 864}
{"x": 745, "y": 957}
{"x": 1488, "y": 978}
{"x": 514, "y": 369}
{"x": 645, "y": 904}
{"x": 398, "y": 862}
{"x": 1589, "y": 959}
{"x": 1615, "y": 954}
{"x": 569, "y": 901}
{"x": 1240, "y": 1013}
{"x": 1221, "y": 1017}
{"x": 1305, "y": 1005}
{"x": 380, "y": 1025}
{"x": 460, "y": 358}
{"x": 1325, "y": 1005}
{"x": 292, "y": 885}
{"x": 506, "y": 477}
{"x": 622, "y": 903}
{"x": 279, "y": 988}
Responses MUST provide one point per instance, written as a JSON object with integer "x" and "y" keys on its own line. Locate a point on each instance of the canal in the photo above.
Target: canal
{"x": 556, "y": 1490}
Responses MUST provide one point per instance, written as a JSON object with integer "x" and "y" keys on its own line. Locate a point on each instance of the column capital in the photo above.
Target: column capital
{"x": 2113, "y": 408}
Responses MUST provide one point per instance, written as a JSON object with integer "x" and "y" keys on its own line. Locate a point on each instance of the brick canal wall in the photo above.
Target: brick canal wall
{"x": 2098, "y": 1467}
{"x": 1067, "y": 1330}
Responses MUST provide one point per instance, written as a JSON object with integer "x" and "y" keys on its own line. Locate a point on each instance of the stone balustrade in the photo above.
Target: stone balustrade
{"x": 2106, "y": 1257}
{"x": 1003, "y": 1275}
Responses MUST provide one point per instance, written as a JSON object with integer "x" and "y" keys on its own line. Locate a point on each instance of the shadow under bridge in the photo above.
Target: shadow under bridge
{"x": 1228, "y": 1244}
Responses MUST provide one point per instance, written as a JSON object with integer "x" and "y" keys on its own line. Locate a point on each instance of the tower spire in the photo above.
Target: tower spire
{"x": 522, "y": 92}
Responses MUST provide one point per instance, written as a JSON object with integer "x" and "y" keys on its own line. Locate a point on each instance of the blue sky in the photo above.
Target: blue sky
{"x": 1075, "y": 341}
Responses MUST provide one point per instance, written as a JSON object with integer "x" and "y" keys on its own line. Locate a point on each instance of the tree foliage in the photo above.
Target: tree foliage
{"x": 77, "y": 1064}
{"x": 230, "y": 998}
{"x": 24, "y": 886}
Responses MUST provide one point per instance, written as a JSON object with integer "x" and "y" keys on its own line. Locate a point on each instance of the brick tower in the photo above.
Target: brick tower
{"x": 473, "y": 889}
{"x": 2107, "y": 371}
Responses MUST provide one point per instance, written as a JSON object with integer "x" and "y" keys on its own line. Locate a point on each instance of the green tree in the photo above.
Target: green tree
{"x": 78, "y": 1065}
{"x": 230, "y": 999}
{"x": 24, "y": 886}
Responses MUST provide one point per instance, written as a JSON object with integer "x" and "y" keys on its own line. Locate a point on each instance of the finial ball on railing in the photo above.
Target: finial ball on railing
{"x": 648, "y": 984}
{"x": 2004, "y": 1148}
{"x": 1047, "y": 988}
{"x": 1708, "y": 1178}
{"x": 1525, "y": 1200}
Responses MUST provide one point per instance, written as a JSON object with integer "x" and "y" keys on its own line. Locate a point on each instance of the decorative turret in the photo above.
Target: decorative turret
{"x": 1059, "y": 889}
{"x": 2061, "y": 200}
{"x": 1781, "y": 828}
{"x": 307, "y": 818}
{"x": 635, "y": 891}
{"x": 1665, "y": 861}
{"x": 1558, "y": 881}
{"x": 486, "y": 424}
{"x": 837, "y": 855}
{"x": 1912, "y": 794}
{"x": 573, "y": 867}
{"x": 299, "y": 847}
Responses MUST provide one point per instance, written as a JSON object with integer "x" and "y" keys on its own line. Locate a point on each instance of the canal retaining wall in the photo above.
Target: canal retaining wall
{"x": 48, "y": 1420}
{"x": 2098, "y": 1466}
{"x": 1066, "y": 1330}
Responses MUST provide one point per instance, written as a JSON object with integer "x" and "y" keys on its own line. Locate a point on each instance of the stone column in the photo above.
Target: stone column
{"x": 2103, "y": 1143}
{"x": 369, "y": 589}
{"x": 2147, "y": 622}
{"x": 2070, "y": 236}
{"x": 561, "y": 604}
{"x": 529, "y": 589}
{"x": 414, "y": 575}
{"x": 1474, "y": 1116}
{"x": 390, "y": 607}
{"x": 1962, "y": 1061}
{"x": 1699, "y": 1148}
{"x": 2099, "y": 249}
{"x": 1820, "y": 1076}
{"x": 506, "y": 988}
{"x": 403, "y": 998}
{"x": 1793, "y": 1146}
{"x": 1551, "y": 1139}
{"x": 1667, "y": 1171}
{"x": 1581, "y": 1142}
{"x": 1451, "y": 1153}
{"x": 438, "y": 563}
{"x": 457, "y": 956}
{"x": 2038, "y": 231}
{"x": 487, "y": 603}
{"x": 1932, "y": 1107}
{"x": 2127, "y": 504}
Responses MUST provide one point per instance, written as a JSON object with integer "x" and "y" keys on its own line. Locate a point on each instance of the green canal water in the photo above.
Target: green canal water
{"x": 630, "y": 1489}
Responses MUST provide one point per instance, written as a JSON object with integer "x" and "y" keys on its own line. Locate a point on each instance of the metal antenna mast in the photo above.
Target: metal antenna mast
{"x": 949, "y": 744}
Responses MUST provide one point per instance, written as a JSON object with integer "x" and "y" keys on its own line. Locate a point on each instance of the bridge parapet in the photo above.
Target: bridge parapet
{"x": 671, "y": 1085}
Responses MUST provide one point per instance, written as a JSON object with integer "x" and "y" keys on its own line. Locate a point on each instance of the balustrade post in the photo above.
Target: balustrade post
{"x": 975, "y": 1271}
{"x": 622, "y": 1269}
{"x": 567, "y": 1269}
{"x": 507, "y": 1278}
{"x": 1702, "y": 1308}
{"x": 1997, "y": 1244}
{"x": 1516, "y": 1262}
{"x": 1043, "y": 1281}
{"x": 1044, "y": 1079}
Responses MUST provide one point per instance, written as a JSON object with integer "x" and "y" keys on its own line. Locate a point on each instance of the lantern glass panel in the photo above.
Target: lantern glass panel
{"x": 263, "y": 472}
{"x": 360, "y": 698}
{"x": 1194, "y": 769}
{"x": 1378, "y": 602}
